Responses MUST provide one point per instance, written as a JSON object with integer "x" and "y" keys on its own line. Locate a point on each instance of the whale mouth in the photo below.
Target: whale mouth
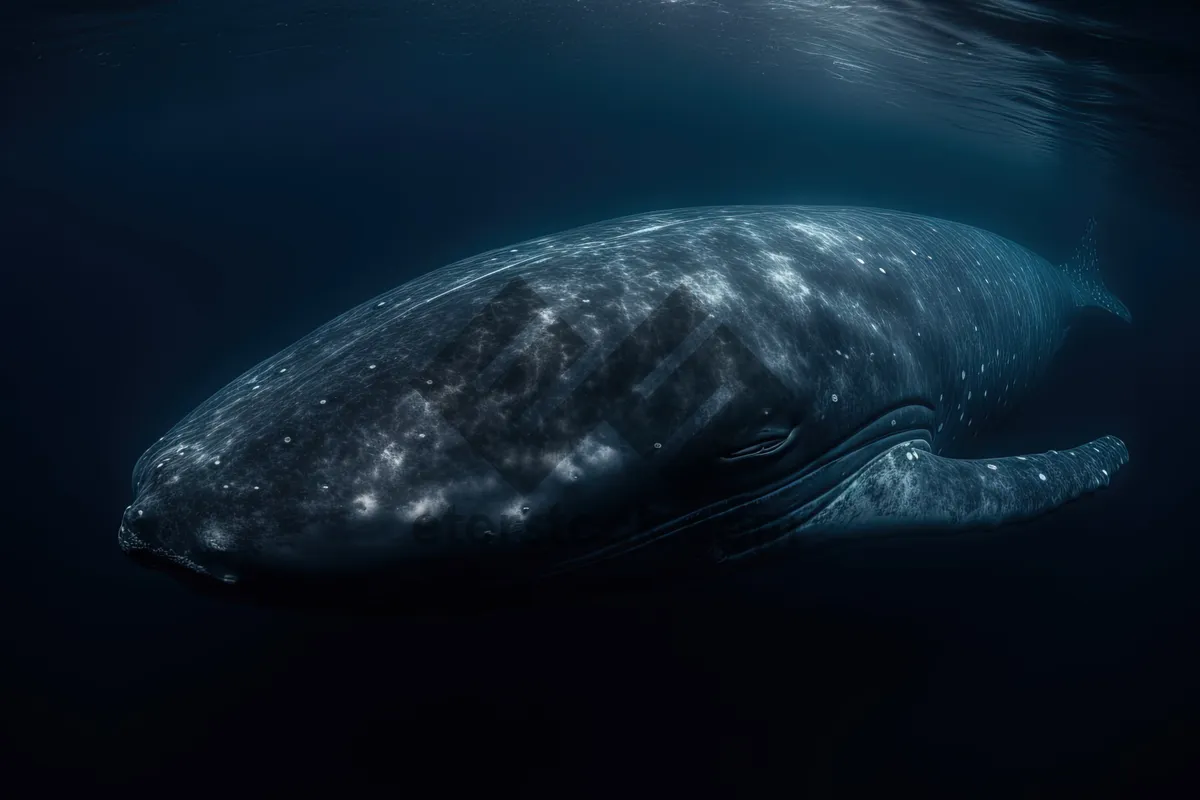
{"x": 185, "y": 573}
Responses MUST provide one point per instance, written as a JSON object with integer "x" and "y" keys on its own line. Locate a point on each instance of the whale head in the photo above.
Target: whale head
{"x": 319, "y": 470}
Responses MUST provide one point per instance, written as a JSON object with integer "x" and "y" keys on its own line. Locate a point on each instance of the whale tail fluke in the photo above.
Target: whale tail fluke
{"x": 1084, "y": 270}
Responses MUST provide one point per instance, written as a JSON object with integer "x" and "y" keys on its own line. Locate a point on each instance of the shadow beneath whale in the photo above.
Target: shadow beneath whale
{"x": 448, "y": 593}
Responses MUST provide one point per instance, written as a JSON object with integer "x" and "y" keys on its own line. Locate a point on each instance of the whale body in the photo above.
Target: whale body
{"x": 685, "y": 388}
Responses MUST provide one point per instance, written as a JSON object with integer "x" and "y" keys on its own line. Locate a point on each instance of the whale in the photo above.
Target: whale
{"x": 682, "y": 390}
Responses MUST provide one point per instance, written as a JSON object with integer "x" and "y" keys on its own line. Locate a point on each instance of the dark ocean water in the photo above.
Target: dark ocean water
{"x": 186, "y": 188}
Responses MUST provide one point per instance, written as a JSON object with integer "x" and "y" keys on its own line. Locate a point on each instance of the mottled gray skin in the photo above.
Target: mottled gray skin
{"x": 894, "y": 336}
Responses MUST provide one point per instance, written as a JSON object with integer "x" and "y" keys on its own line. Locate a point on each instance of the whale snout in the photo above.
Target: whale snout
{"x": 145, "y": 536}
{"x": 131, "y": 533}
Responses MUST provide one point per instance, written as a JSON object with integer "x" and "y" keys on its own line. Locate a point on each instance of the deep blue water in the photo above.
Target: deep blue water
{"x": 188, "y": 187}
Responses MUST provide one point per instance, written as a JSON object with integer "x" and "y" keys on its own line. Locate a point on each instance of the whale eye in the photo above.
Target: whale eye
{"x": 769, "y": 443}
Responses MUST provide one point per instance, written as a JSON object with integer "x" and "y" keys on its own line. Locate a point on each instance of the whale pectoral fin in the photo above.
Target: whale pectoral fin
{"x": 908, "y": 487}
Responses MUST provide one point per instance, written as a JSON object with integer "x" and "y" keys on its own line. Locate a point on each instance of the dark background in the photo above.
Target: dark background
{"x": 183, "y": 193}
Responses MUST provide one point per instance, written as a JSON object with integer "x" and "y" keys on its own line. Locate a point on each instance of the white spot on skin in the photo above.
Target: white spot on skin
{"x": 884, "y": 271}
{"x": 834, "y": 398}
{"x": 1041, "y": 476}
{"x": 216, "y": 536}
{"x": 429, "y": 505}
{"x": 287, "y": 439}
{"x": 391, "y": 457}
{"x": 366, "y": 504}
{"x": 992, "y": 467}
